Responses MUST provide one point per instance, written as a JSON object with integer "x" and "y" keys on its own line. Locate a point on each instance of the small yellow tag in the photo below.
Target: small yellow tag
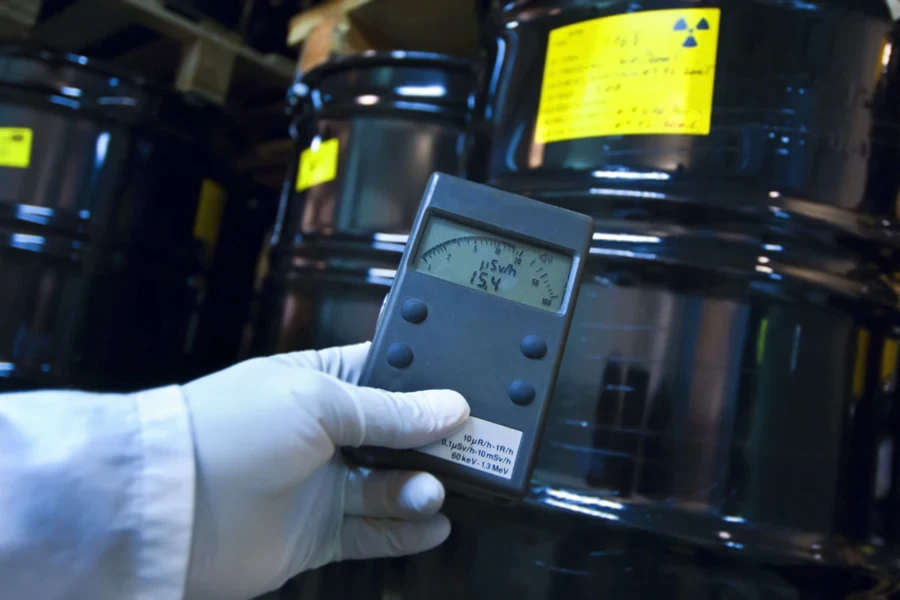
{"x": 15, "y": 147}
{"x": 649, "y": 72}
{"x": 318, "y": 165}
{"x": 889, "y": 360}
{"x": 210, "y": 209}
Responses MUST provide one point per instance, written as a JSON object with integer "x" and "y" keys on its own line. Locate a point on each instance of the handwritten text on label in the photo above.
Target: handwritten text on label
{"x": 649, "y": 72}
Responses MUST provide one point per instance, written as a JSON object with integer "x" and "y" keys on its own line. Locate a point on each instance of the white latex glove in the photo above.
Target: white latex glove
{"x": 275, "y": 497}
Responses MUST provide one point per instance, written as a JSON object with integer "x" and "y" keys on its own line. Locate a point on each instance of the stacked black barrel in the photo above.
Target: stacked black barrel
{"x": 725, "y": 422}
{"x": 115, "y": 228}
{"x": 369, "y": 132}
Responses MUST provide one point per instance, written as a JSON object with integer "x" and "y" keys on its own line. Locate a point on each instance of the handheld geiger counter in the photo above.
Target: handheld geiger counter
{"x": 481, "y": 304}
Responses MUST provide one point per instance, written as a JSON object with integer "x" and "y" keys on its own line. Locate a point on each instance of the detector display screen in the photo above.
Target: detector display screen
{"x": 492, "y": 263}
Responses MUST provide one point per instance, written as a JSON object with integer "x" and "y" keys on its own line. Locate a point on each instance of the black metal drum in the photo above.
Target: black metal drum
{"x": 110, "y": 204}
{"x": 226, "y": 313}
{"x": 732, "y": 363}
{"x": 725, "y": 423}
{"x": 369, "y": 130}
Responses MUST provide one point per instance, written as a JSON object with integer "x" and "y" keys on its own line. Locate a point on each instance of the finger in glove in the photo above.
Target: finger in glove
{"x": 392, "y": 494}
{"x": 358, "y": 416}
{"x": 364, "y": 537}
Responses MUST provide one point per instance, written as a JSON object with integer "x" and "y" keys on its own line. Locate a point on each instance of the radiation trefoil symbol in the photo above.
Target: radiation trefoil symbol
{"x": 691, "y": 41}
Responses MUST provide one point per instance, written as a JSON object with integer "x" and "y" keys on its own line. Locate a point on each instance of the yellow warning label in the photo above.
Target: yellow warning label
{"x": 15, "y": 147}
{"x": 889, "y": 360}
{"x": 318, "y": 164}
{"x": 641, "y": 73}
{"x": 210, "y": 209}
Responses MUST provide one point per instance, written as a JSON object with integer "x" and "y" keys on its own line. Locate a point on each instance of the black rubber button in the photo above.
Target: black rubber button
{"x": 533, "y": 347}
{"x": 521, "y": 392}
{"x": 399, "y": 355}
{"x": 414, "y": 310}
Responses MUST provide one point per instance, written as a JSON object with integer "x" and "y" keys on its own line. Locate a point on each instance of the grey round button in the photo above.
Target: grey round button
{"x": 521, "y": 392}
{"x": 399, "y": 356}
{"x": 533, "y": 347}
{"x": 414, "y": 310}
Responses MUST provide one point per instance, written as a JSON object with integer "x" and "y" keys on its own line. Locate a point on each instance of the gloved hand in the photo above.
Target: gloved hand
{"x": 274, "y": 496}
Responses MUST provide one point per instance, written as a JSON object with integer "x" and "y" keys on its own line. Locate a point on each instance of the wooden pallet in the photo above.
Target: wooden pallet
{"x": 17, "y": 15}
{"x": 342, "y": 27}
{"x": 144, "y": 36}
{"x": 444, "y": 26}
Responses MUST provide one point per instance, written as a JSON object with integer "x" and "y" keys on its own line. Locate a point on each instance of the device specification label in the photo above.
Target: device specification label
{"x": 649, "y": 72}
{"x": 15, "y": 147}
{"x": 481, "y": 445}
{"x": 318, "y": 164}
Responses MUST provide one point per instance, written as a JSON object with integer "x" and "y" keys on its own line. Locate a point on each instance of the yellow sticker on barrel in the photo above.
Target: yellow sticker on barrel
{"x": 318, "y": 164}
{"x": 15, "y": 147}
{"x": 208, "y": 220}
{"x": 640, "y": 73}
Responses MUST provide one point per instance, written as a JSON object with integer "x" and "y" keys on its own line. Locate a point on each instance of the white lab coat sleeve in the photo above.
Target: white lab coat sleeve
{"x": 96, "y": 495}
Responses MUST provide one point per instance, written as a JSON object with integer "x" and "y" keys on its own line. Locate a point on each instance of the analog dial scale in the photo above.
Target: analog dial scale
{"x": 494, "y": 264}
